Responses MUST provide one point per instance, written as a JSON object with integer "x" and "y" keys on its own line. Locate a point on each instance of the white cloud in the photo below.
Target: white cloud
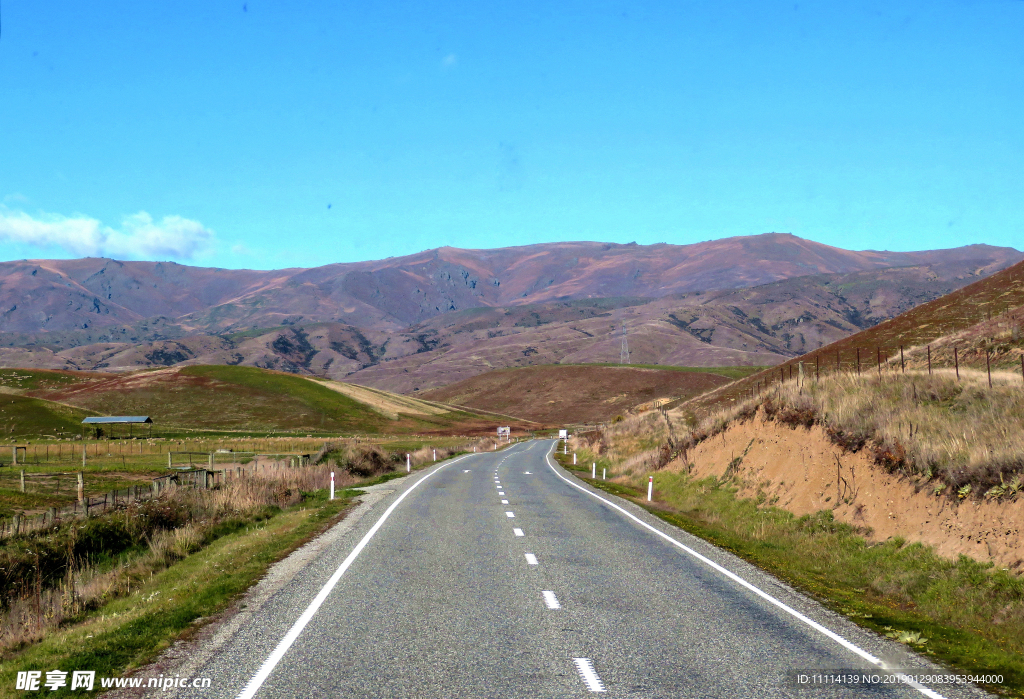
{"x": 450, "y": 61}
{"x": 139, "y": 237}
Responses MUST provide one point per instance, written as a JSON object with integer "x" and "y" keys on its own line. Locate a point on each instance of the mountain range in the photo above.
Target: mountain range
{"x": 425, "y": 320}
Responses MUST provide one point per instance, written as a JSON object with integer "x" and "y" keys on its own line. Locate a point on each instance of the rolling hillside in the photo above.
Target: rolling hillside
{"x": 987, "y": 314}
{"x": 559, "y": 395}
{"x": 246, "y": 398}
{"x": 760, "y": 325}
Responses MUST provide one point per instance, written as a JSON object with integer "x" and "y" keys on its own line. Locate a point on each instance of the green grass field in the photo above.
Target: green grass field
{"x": 22, "y": 416}
{"x": 35, "y": 379}
{"x": 235, "y": 399}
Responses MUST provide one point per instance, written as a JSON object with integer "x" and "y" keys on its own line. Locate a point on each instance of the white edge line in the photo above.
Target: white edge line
{"x": 289, "y": 638}
{"x": 518, "y": 532}
{"x": 550, "y": 600}
{"x": 737, "y": 579}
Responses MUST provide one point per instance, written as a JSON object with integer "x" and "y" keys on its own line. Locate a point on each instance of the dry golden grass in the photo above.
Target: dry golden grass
{"x": 248, "y": 496}
{"x": 960, "y": 431}
{"x": 39, "y": 608}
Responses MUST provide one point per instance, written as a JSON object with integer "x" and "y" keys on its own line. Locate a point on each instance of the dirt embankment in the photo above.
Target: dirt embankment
{"x": 802, "y": 471}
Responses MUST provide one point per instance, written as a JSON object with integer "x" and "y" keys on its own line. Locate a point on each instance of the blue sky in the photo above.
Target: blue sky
{"x": 262, "y": 135}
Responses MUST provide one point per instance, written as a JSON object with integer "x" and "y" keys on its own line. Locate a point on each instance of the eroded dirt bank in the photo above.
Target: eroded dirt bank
{"x": 806, "y": 473}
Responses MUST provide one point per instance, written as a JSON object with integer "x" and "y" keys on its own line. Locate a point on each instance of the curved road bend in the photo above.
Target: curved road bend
{"x": 499, "y": 575}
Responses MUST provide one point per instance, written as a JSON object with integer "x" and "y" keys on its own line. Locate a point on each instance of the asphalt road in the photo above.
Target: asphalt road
{"x": 500, "y": 575}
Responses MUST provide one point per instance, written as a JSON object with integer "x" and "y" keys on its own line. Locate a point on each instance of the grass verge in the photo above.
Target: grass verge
{"x": 963, "y": 614}
{"x": 130, "y": 631}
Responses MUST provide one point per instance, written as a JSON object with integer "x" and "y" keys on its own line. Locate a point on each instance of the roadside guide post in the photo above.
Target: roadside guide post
{"x": 650, "y": 487}
{"x": 604, "y": 474}
{"x": 332, "y": 485}
{"x": 435, "y": 455}
{"x": 593, "y": 470}
{"x": 408, "y": 464}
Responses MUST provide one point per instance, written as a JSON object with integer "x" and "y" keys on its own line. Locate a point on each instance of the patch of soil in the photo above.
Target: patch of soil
{"x": 802, "y": 471}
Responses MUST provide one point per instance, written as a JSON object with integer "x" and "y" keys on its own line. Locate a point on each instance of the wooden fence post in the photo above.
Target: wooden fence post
{"x": 903, "y": 365}
{"x": 988, "y": 367}
{"x": 956, "y": 362}
{"x": 929, "y": 360}
{"x": 858, "y": 361}
{"x": 81, "y": 486}
{"x": 23, "y": 481}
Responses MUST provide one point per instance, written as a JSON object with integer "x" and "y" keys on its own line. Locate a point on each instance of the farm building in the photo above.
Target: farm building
{"x": 118, "y": 426}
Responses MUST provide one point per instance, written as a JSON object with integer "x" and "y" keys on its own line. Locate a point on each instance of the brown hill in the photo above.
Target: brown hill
{"x": 760, "y": 326}
{"x": 983, "y": 318}
{"x": 561, "y": 395}
{"x": 87, "y": 294}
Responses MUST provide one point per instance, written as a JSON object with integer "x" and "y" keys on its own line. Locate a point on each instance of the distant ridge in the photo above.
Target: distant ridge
{"x": 92, "y": 293}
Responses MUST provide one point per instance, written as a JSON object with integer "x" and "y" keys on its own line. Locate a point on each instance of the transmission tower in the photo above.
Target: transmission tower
{"x": 624, "y": 352}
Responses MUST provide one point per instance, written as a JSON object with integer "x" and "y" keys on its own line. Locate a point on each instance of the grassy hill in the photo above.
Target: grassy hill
{"x": 577, "y": 393}
{"x": 250, "y": 399}
{"x": 22, "y": 416}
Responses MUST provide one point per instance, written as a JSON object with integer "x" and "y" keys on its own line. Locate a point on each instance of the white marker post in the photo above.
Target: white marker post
{"x": 650, "y": 487}
{"x": 593, "y": 471}
{"x": 574, "y": 458}
{"x": 408, "y": 464}
{"x": 604, "y": 474}
{"x": 332, "y": 485}
{"x": 435, "y": 455}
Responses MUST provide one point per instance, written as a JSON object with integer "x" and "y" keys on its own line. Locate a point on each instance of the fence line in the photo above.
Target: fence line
{"x": 109, "y": 501}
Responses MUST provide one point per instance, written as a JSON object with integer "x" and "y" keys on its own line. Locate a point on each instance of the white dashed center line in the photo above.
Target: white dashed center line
{"x": 551, "y": 600}
{"x": 504, "y": 502}
{"x": 518, "y": 532}
{"x": 589, "y": 676}
{"x": 509, "y": 515}
{"x": 501, "y": 492}
{"x": 531, "y": 559}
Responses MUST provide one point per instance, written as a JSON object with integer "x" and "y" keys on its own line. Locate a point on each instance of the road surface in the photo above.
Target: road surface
{"x": 500, "y": 575}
